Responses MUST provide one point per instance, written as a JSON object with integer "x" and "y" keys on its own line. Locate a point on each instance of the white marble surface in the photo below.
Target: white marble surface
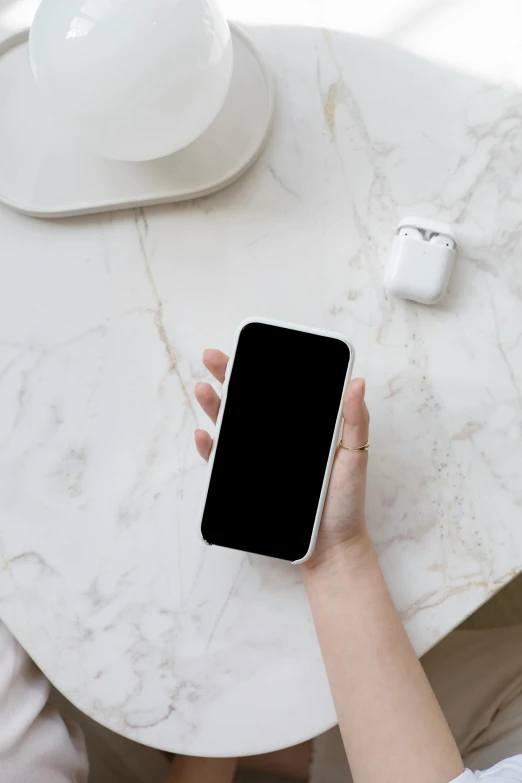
{"x": 103, "y": 577}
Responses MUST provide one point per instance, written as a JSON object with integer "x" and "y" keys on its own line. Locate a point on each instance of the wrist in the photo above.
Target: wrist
{"x": 351, "y": 554}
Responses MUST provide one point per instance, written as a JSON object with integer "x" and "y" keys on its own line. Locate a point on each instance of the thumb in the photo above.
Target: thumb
{"x": 356, "y": 417}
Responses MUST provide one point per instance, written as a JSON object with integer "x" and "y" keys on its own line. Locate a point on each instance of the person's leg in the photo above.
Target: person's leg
{"x": 292, "y": 763}
{"x": 36, "y": 745}
{"x": 192, "y": 769}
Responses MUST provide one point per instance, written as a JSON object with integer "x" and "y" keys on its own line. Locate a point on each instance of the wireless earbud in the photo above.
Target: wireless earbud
{"x": 409, "y": 231}
{"x": 440, "y": 239}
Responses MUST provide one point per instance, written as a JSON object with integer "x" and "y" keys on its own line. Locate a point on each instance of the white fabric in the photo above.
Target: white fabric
{"x": 507, "y": 770}
{"x": 36, "y": 744}
{"x": 477, "y": 678}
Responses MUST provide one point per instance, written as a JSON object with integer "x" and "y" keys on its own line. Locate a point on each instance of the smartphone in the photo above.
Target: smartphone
{"x": 276, "y": 436}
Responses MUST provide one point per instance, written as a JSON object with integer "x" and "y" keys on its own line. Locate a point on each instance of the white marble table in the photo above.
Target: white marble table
{"x": 104, "y": 578}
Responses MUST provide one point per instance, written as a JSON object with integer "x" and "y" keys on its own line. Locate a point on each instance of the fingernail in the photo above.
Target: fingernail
{"x": 196, "y": 432}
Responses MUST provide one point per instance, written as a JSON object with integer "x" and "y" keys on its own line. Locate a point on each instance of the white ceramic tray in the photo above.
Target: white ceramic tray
{"x": 45, "y": 174}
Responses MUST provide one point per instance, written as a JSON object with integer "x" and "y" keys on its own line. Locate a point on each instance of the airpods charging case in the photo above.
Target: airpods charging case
{"x": 419, "y": 267}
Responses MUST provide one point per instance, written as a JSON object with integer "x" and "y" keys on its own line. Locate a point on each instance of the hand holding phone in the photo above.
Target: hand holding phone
{"x": 343, "y": 516}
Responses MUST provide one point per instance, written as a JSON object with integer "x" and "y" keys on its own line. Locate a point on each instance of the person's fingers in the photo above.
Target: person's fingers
{"x": 203, "y": 444}
{"x": 216, "y": 362}
{"x": 356, "y": 416}
{"x": 208, "y": 399}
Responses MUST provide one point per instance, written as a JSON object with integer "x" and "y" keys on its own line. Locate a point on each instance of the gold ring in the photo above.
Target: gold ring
{"x": 361, "y": 448}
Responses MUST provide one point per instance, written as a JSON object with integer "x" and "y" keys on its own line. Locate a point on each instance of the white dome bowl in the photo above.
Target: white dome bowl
{"x": 132, "y": 79}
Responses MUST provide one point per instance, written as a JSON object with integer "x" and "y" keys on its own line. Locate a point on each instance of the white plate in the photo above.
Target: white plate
{"x": 45, "y": 174}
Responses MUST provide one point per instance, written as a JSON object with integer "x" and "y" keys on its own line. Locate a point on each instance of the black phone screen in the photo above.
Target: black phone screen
{"x": 279, "y": 419}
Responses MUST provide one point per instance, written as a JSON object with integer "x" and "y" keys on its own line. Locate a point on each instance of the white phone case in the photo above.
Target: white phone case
{"x": 335, "y": 434}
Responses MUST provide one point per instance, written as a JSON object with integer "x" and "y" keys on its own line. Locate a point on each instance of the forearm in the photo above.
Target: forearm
{"x": 392, "y": 726}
